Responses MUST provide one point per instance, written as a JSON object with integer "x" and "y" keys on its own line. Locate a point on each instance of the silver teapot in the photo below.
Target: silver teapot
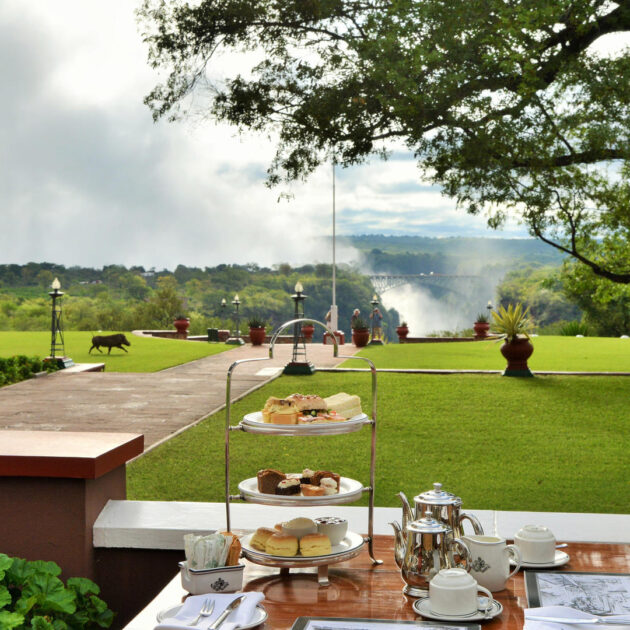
{"x": 442, "y": 506}
{"x": 422, "y": 549}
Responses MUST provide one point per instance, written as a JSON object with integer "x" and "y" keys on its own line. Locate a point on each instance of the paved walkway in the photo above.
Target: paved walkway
{"x": 158, "y": 404}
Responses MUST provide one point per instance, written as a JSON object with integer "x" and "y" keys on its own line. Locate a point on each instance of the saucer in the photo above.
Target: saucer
{"x": 559, "y": 561}
{"x": 260, "y": 614}
{"x": 422, "y": 607}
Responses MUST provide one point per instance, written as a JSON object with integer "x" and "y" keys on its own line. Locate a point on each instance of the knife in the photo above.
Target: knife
{"x": 609, "y": 621}
{"x": 233, "y": 605}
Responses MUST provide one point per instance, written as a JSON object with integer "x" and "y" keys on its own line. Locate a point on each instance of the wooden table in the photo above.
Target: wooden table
{"x": 360, "y": 589}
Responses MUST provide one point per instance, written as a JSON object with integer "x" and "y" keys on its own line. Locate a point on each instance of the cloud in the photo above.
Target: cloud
{"x": 89, "y": 179}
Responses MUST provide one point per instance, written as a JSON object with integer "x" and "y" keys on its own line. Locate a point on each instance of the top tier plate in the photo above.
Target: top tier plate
{"x": 253, "y": 423}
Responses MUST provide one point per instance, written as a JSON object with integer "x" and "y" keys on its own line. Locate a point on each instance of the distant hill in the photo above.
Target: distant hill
{"x": 493, "y": 250}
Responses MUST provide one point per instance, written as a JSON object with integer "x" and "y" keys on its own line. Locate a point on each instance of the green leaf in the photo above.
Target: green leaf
{"x": 83, "y": 586}
{"x": 9, "y": 620}
{"x": 51, "y": 594}
{"x": 5, "y": 563}
{"x": 5, "y": 596}
{"x": 42, "y": 623}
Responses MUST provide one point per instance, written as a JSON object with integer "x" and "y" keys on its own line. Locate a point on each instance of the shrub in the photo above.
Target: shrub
{"x": 571, "y": 329}
{"x": 33, "y": 596}
{"x": 19, "y": 368}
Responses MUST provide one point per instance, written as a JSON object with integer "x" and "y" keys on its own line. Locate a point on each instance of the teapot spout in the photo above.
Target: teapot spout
{"x": 407, "y": 513}
{"x": 399, "y": 543}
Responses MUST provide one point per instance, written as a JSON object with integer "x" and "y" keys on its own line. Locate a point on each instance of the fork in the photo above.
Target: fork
{"x": 206, "y": 609}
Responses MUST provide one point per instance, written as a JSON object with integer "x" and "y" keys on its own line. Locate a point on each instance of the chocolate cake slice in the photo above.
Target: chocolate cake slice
{"x": 268, "y": 480}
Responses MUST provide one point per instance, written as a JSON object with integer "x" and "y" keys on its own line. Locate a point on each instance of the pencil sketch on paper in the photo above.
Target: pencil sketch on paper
{"x": 595, "y": 593}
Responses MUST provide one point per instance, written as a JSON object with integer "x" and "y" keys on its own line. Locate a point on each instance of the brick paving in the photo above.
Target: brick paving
{"x": 158, "y": 404}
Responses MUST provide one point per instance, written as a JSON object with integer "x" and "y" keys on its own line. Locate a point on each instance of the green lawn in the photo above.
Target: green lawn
{"x": 587, "y": 354}
{"x": 146, "y": 354}
{"x": 554, "y": 443}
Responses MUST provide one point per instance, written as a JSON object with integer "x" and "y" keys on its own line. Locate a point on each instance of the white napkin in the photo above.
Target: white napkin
{"x": 243, "y": 614}
{"x": 561, "y": 611}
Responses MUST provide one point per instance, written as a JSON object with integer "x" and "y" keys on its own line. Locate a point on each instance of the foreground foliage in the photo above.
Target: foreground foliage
{"x": 539, "y": 444}
{"x": 19, "y": 368}
{"x": 33, "y": 596}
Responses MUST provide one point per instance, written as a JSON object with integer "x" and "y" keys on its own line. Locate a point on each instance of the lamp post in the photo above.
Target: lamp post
{"x": 374, "y": 303}
{"x": 57, "y": 347}
{"x": 235, "y": 339}
{"x": 298, "y": 363}
{"x": 489, "y": 307}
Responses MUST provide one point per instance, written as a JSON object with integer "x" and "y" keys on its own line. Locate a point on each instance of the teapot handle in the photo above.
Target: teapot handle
{"x": 463, "y": 551}
{"x": 474, "y": 521}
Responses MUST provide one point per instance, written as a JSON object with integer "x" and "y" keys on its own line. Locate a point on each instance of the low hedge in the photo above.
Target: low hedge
{"x": 20, "y": 367}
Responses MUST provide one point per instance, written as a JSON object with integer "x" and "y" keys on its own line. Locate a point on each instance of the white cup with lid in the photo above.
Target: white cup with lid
{"x": 537, "y": 544}
{"x": 454, "y": 592}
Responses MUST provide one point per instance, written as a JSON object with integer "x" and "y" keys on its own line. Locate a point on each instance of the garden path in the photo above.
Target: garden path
{"x": 158, "y": 404}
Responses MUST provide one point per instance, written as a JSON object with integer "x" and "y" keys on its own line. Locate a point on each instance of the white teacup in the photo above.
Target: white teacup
{"x": 537, "y": 544}
{"x": 490, "y": 564}
{"x": 454, "y": 592}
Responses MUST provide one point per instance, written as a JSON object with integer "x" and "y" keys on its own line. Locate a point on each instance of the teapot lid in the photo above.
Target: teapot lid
{"x": 437, "y": 496}
{"x": 427, "y": 525}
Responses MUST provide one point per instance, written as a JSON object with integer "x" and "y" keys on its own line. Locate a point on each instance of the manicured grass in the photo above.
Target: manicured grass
{"x": 146, "y": 354}
{"x": 570, "y": 354}
{"x": 555, "y": 443}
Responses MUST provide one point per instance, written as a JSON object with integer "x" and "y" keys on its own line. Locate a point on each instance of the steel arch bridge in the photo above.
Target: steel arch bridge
{"x": 384, "y": 282}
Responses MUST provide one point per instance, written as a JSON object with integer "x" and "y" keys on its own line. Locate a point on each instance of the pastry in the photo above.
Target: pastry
{"x": 279, "y": 411}
{"x": 329, "y": 485}
{"x": 315, "y": 545}
{"x": 309, "y": 490}
{"x": 268, "y": 480}
{"x": 307, "y": 405}
{"x": 307, "y": 473}
{"x": 288, "y": 486}
{"x": 282, "y": 545}
{"x": 344, "y": 404}
{"x": 260, "y": 538}
{"x": 320, "y": 474}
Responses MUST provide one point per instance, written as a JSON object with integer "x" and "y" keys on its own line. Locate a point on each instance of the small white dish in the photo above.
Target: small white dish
{"x": 260, "y": 615}
{"x": 422, "y": 606}
{"x": 559, "y": 561}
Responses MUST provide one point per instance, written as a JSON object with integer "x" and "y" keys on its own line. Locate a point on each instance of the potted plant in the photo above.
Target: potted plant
{"x": 514, "y": 325}
{"x": 308, "y": 331}
{"x": 360, "y": 332}
{"x": 256, "y": 331}
{"x": 181, "y": 324}
{"x": 402, "y": 331}
{"x": 481, "y": 326}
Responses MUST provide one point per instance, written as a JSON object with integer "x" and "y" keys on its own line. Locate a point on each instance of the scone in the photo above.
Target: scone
{"x": 260, "y": 538}
{"x": 315, "y": 545}
{"x": 282, "y": 545}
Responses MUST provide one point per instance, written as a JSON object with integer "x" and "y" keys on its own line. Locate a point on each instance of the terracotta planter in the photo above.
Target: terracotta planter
{"x": 181, "y": 325}
{"x": 402, "y": 332}
{"x": 517, "y": 352}
{"x": 308, "y": 331}
{"x": 481, "y": 329}
{"x": 360, "y": 338}
{"x": 257, "y": 336}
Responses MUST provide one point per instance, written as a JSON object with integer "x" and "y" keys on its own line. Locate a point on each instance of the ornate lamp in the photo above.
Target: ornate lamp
{"x": 236, "y": 339}
{"x": 298, "y": 363}
{"x": 374, "y": 303}
{"x": 57, "y": 347}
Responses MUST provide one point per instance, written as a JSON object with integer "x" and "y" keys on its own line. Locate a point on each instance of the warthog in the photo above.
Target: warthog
{"x": 109, "y": 341}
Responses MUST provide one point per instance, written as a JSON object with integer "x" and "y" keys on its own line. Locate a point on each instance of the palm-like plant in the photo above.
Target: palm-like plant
{"x": 511, "y": 322}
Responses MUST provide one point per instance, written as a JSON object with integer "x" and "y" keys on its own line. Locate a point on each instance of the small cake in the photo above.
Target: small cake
{"x": 307, "y": 473}
{"x": 268, "y": 480}
{"x": 282, "y": 545}
{"x": 260, "y": 538}
{"x": 288, "y": 486}
{"x": 315, "y": 545}
{"x": 321, "y": 474}
{"x": 308, "y": 490}
{"x": 329, "y": 485}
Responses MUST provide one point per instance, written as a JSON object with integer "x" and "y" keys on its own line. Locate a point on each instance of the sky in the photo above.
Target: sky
{"x": 87, "y": 178}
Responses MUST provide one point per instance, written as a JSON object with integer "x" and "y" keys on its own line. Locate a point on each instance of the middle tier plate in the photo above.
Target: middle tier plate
{"x": 349, "y": 491}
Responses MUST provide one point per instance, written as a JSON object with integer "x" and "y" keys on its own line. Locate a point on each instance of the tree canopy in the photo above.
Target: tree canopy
{"x": 505, "y": 103}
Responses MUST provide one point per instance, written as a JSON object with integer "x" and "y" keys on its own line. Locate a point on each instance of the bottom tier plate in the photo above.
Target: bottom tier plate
{"x": 348, "y": 548}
